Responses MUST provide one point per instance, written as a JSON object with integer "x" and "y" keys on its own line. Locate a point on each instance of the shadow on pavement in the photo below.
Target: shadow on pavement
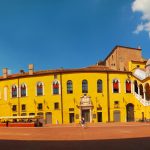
{"x": 115, "y": 144}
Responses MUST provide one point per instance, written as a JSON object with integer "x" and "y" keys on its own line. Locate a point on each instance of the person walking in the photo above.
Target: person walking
{"x": 83, "y": 122}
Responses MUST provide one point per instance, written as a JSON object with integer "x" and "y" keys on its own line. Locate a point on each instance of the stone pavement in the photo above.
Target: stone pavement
{"x": 110, "y": 136}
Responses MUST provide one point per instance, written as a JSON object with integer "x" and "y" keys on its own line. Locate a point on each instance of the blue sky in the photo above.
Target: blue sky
{"x": 66, "y": 33}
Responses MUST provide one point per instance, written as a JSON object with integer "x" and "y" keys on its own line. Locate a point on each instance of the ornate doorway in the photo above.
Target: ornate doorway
{"x": 130, "y": 112}
{"x": 86, "y": 108}
{"x": 86, "y": 114}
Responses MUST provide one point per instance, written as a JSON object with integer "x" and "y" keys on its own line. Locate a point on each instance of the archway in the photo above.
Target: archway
{"x": 141, "y": 90}
{"x": 130, "y": 112}
{"x": 135, "y": 87}
{"x": 147, "y": 91}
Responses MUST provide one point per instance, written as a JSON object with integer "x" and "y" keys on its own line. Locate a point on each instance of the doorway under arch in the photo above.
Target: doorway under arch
{"x": 130, "y": 112}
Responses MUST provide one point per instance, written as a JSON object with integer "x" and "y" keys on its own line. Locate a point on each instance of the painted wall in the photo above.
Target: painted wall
{"x": 71, "y": 102}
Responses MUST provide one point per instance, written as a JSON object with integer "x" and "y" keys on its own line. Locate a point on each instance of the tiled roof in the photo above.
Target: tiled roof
{"x": 139, "y": 61}
{"x": 93, "y": 68}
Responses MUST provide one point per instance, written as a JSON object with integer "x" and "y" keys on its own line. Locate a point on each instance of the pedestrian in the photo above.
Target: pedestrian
{"x": 7, "y": 123}
{"x": 82, "y": 122}
{"x": 57, "y": 122}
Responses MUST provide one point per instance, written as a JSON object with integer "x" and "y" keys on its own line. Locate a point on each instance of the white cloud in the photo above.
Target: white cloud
{"x": 142, "y": 6}
{"x": 139, "y": 28}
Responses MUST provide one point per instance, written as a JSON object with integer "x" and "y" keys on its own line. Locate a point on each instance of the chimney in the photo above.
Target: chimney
{"x": 5, "y": 73}
{"x": 31, "y": 69}
{"x": 22, "y": 71}
{"x": 139, "y": 47}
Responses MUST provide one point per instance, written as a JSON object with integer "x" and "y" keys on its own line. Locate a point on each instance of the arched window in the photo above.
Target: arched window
{"x": 135, "y": 87}
{"x": 147, "y": 91}
{"x": 84, "y": 86}
{"x": 55, "y": 87}
{"x": 115, "y": 86}
{"x": 69, "y": 87}
{"x": 14, "y": 91}
{"x": 23, "y": 90}
{"x": 141, "y": 90}
{"x": 99, "y": 86}
{"x": 128, "y": 86}
{"x": 39, "y": 88}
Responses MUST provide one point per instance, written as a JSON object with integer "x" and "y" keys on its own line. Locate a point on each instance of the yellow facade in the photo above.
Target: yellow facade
{"x": 63, "y": 108}
{"x": 135, "y": 64}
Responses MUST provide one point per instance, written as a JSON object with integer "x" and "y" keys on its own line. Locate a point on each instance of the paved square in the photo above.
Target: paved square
{"x": 96, "y": 136}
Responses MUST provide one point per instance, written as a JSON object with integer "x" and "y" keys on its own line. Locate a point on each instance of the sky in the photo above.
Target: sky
{"x": 52, "y": 34}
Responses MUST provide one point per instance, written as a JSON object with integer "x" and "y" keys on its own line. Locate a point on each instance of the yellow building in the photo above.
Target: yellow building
{"x": 115, "y": 90}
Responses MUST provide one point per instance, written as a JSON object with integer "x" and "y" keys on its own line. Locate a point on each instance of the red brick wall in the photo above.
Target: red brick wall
{"x": 120, "y": 57}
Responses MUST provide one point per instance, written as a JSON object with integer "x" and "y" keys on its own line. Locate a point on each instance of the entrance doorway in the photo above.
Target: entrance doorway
{"x": 130, "y": 112}
{"x": 71, "y": 117}
{"x": 86, "y": 114}
{"x": 116, "y": 116}
{"x": 99, "y": 116}
{"x": 48, "y": 118}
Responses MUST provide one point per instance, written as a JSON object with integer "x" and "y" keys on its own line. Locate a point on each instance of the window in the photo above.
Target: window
{"x": 141, "y": 90}
{"x": 135, "y": 87}
{"x": 71, "y": 109}
{"x": 39, "y": 88}
{"x": 23, "y": 107}
{"x": 99, "y": 86}
{"x": 84, "y": 86}
{"x": 14, "y": 108}
{"x": 116, "y": 104}
{"x": 23, "y": 90}
{"x": 128, "y": 86}
{"x": 69, "y": 87}
{"x": 31, "y": 114}
{"x": 23, "y": 114}
{"x": 14, "y": 91}
{"x": 55, "y": 87}
{"x": 56, "y": 105}
{"x": 115, "y": 86}
{"x": 40, "y": 114}
{"x": 40, "y": 106}
{"x": 147, "y": 91}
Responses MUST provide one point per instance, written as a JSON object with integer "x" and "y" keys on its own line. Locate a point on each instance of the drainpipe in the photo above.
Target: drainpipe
{"x": 61, "y": 98}
{"x": 108, "y": 97}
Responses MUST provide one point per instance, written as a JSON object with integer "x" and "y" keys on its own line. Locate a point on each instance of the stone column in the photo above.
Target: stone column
{"x": 144, "y": 92}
